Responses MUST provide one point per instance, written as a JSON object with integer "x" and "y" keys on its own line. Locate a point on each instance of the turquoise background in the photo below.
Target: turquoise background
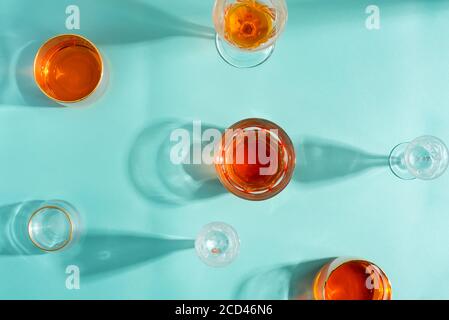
{"x": 345, "y": 95}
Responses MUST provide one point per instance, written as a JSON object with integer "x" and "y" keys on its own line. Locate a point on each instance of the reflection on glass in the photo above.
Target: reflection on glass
{"x": 425, "y": 158}
{"x": 247, "y": 29}
{"x": 52, "y": 226}
{"x": 68, "y": 68}
{"x": 217, "y": 244}
{"x": 255, "y": 159}
{"x": 38, "y": 226}
{"x": 351, "y": 279}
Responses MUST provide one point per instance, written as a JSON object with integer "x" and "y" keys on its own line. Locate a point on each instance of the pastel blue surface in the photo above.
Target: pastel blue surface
{"x": 346, "y": 95}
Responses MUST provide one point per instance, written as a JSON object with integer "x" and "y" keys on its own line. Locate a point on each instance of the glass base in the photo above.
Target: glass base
{"x": 397, "y": 162}
{"x": 217, "y": 244}
{"x": 239, "y": 58}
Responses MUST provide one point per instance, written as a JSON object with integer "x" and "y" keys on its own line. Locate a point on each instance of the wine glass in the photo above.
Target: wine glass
{"x": 217, "y": 244}
{"x": 255, "y": 159}
{"x": 425, "y": 158}
{"x": 248, "y": 29}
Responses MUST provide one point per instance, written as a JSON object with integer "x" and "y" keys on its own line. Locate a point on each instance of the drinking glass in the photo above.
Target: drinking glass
{"x": 255, "y": 159}
{"x": 217, "y": 244}
{"x": 53, "y": 225}
{"x": 248, "y": 29}
{"x": 68, "y": 69}
{"x": 424, "y": 158}
{"x": 39, "y": 226}
{"x": 351, "y": 279}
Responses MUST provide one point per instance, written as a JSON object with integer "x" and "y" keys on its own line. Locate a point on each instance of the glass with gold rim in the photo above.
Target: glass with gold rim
{"x": 53, "y": 225}
{"x": 69, "y": 69}
{"x": 255, "y": 159}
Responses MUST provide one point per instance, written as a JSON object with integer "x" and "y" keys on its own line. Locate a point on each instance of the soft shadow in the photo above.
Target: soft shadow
{"x": 138, "y": 22}
{"x": 320, "y": 161}
{"x": 284, "y": 282}
{"x": 161, "y": 181}
{"x": 14, "y": 238}
{"x": 29, "y": 91}
{"x": 302, "y": 278}
{"x": 18, "y": 87}
{"x": 105, "y": 21}
{"x": 266, "y": 284}
{"x": 102, "y": 253}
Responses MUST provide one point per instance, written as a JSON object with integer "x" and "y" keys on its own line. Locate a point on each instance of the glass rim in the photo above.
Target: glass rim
{"x": 69, "y": 219}
{"x": 97, "y": 51}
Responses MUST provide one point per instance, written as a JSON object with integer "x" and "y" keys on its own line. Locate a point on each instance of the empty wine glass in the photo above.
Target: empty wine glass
{"x": 425, "y": 158}
{"x": 217, "y": 244}
{"x": 248, "y": 29}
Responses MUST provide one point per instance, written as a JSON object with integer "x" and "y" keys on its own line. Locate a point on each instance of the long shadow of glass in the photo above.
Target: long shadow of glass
{"x": 144, "y": 23}
{"x": 321, "y": 161}
{"x": 104, "y": 253}
{"x": 105, "y": 21}
{"x": 160, "y": 180}
{"x": 284, "y": 282}
{"x": 14, "y": 237}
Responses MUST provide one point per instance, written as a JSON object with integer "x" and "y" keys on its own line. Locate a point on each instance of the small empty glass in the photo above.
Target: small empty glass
{"x": 217, "y": 244}
{"x": 53, "y": 225}
{"x": 38, "y": 226}
{"x": 424, "y": 158}
{"x": 247, "y": 29}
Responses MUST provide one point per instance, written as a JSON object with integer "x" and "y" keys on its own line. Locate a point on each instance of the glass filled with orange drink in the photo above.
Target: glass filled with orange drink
{"x": 255, "y": 159}
{"x": 69, "y": 69}
{"x": 248, "y": 29}
{"x": 351, "y": 279}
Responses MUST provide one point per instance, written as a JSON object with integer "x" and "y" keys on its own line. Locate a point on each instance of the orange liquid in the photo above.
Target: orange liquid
{"x": 248, "y": 24}
{"x": 249, "y": 175}
{"x": 357, "y": 280}
{"x": 69, "y": 71}
{"x": 256, "y": 159}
